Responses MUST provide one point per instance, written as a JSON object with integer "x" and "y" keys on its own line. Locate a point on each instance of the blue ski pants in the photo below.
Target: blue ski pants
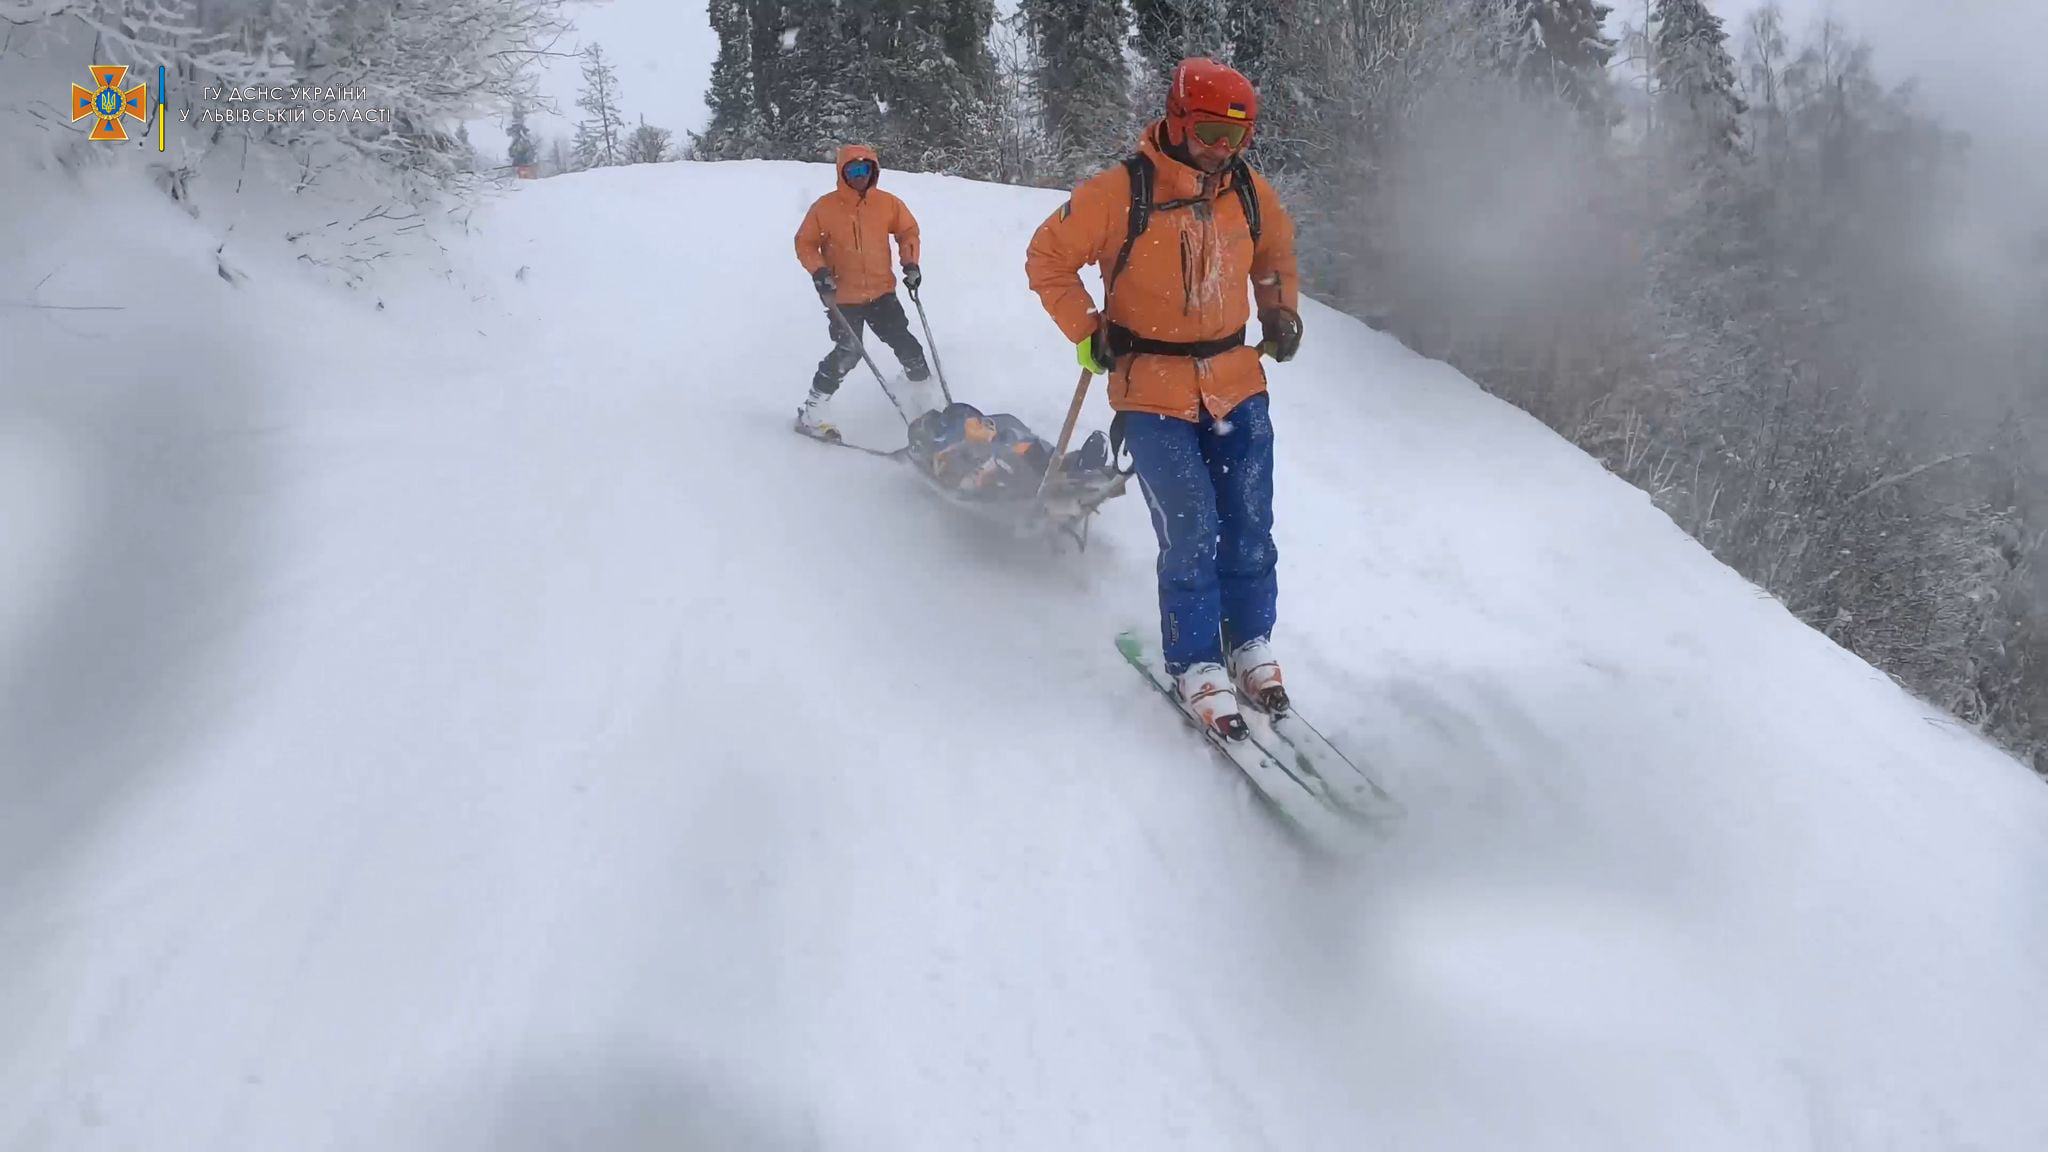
{"x": 1210, "y": 487}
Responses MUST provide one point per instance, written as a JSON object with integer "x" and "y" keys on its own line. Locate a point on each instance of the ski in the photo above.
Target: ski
{"x": 827, "y": 434}
{"x": 1346, "y": 784}
{"x": 1297, "y": 795}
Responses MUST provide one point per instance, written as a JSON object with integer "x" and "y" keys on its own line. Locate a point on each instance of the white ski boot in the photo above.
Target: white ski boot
{"x": 810, "y": 419}
{"x": 1257, "y": 676}
{"x": 1205, "y": 689}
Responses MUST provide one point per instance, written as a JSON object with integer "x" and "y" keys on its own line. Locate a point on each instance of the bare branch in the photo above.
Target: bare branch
{"x": 1908, "y": 474}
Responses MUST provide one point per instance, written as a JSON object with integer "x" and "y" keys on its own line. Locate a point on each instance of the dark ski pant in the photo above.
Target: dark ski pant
{"x": 885, "y": 315}
{"x": 1211, "y": 495}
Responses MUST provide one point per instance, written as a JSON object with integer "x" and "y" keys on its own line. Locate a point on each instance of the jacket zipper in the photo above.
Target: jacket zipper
{"x": 858, "y": 205}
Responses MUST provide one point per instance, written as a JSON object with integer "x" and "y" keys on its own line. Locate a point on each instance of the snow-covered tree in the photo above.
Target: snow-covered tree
{"x": 1694, "y": 77}
{"x": 1563, "y": 49}
{"x": 934, "y": 77}
{"x": 1168, "y": 31}
{"x": 1764, "y": 62}
{"x": 915, "y": 79}
{"x": 823, "y": 94}
{"x": 520, "y": 150}
{"x": 1025, "y": 152}
{"x": 463, "y": 155}
{"x": 737, "y": 129}
{"x": 432, "y": 66}
{"x": 1083, "y": 82}
{"x": 601, "y": 134}
{"x": 647, "y": 144}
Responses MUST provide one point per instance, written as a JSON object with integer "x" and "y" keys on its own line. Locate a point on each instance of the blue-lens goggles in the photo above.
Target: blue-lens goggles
{"x": 859, "y": 170}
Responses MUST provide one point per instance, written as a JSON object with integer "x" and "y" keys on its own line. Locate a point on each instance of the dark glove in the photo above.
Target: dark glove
{"x": 912, "y": 277}
{"x": 1093, "y": 353}
{"x": 824, "y": 282}
{"x": 1280, "y": 333}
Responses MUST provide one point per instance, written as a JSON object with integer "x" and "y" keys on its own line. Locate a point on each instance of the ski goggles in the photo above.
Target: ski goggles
{"x": 859, "y": 170}
{"x": 1214, "y": 132}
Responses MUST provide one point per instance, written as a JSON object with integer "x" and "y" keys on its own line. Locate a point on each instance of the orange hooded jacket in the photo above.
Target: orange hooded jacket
{"x": 1185, "y": 282}
{"x": 848, "y": 231}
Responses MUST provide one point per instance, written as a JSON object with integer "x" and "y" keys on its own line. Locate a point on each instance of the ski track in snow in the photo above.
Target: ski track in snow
{"x": 482, "y": 725}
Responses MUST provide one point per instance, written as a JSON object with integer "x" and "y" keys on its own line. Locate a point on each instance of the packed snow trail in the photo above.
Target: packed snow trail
{"x": 480, "y": 724}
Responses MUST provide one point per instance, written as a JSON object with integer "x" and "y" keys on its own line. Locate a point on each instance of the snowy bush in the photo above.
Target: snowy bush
{"x": 378, "y": 87}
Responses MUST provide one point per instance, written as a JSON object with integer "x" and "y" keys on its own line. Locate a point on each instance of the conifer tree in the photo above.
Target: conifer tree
{"x": 601, "y": 137}
{"x": 1698, "y": 110}
{"x": 1563, "y": 49}
{"x": 934, "y": 74}
{"x": 521, "y": 150}
{"x": 822, "y": 93}
{"x": 737, "y": 129}
{"x": 1083, "y": 83}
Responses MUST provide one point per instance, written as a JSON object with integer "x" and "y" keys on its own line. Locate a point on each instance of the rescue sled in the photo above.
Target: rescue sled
{"x": 995, "y": 467}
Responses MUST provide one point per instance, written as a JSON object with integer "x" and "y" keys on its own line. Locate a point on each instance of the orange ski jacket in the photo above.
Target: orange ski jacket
{"x": 848, "y": 231}
{"x": 1185, "y": 283}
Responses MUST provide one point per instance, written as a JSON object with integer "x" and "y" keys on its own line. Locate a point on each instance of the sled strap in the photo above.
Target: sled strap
{"x": 1116, "y": 446}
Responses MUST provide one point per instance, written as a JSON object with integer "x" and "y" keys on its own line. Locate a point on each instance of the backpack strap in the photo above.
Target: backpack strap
{"x": 1247, "y": 194}
{"x": 1140, "y": 168}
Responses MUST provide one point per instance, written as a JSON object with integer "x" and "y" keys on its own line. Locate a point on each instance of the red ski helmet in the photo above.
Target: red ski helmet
{"x": 1212, "y": 100}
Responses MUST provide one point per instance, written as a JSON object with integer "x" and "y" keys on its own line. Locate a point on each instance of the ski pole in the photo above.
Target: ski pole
{"x": 933, "y": 345}
{"x": 854, "y": 335}
{"x": 1059, "y": 452}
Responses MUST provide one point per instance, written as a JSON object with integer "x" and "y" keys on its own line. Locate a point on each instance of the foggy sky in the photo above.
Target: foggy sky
{"x": 662, "y": 51}
{"x": 1977, "y": 62}
{"x": 1973, "y": 57}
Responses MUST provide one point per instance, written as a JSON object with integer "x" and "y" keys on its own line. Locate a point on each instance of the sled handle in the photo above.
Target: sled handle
{"x": 847, "y": 327}
{"x": 1059, "y": 451}
{"x": 932, "y": 344}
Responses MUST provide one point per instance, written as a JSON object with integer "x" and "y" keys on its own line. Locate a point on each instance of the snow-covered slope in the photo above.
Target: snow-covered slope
{"x": 480, "y": 724}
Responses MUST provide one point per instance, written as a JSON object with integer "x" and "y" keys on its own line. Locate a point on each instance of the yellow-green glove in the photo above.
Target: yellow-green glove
{"x": 1085, "y": 353}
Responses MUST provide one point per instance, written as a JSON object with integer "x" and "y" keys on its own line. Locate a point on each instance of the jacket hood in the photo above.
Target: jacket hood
{"x": 848, "y": 153}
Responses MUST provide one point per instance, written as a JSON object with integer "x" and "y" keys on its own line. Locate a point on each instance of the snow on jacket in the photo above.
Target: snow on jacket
{"x": 1185, "y": 282}
{"x": 848, "y": 231}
